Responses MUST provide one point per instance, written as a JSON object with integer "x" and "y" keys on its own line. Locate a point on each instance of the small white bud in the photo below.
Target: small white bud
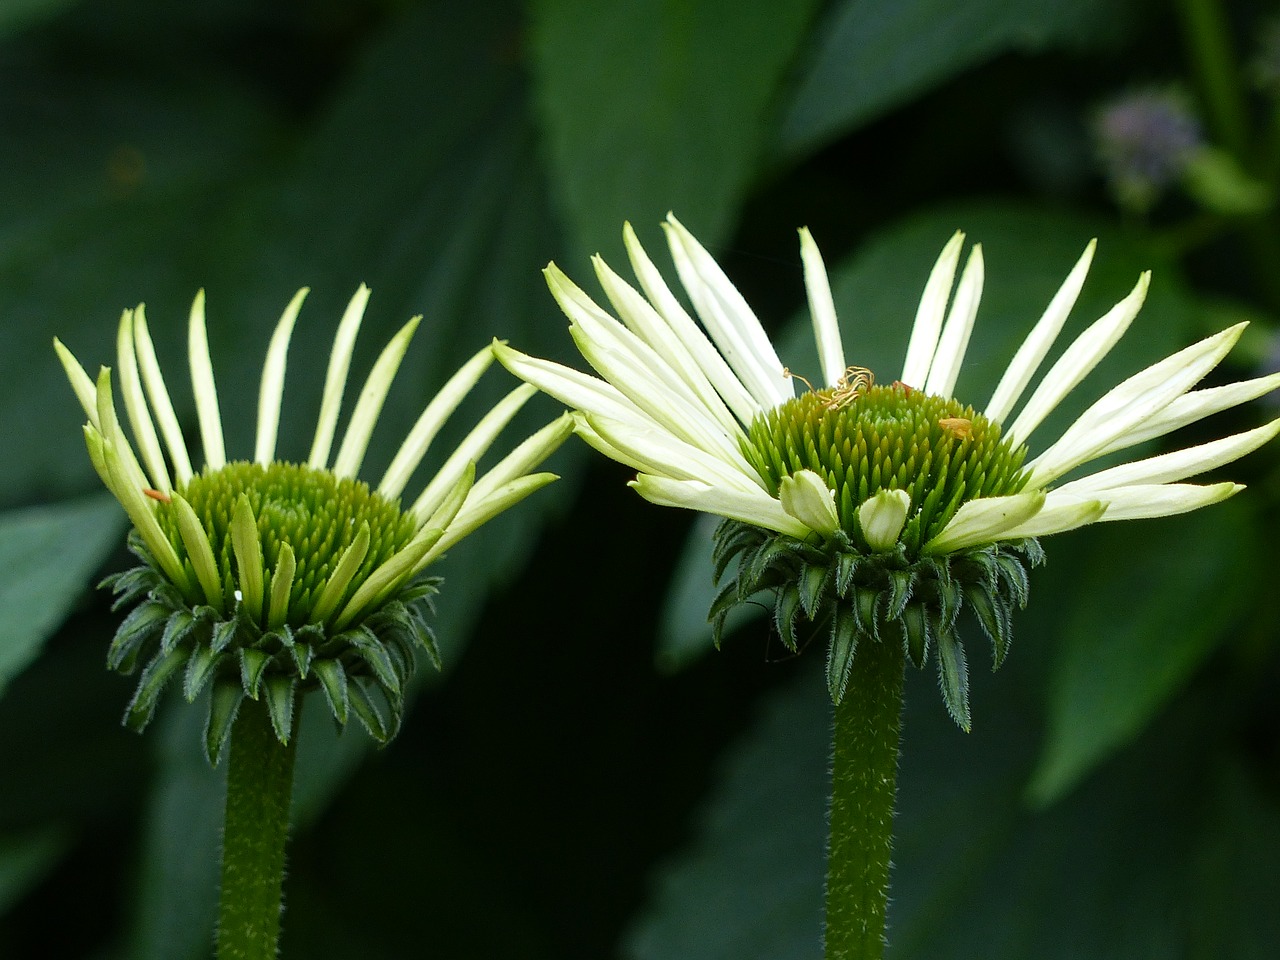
{"x": 882, "y": 517}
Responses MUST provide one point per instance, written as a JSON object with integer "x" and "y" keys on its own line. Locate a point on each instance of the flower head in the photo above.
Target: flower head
{"x": 877, "y": 509}
{"x": 263, "y": 578}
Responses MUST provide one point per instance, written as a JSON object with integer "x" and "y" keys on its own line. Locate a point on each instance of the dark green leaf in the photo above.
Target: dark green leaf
{"x": 1147, "y": 615}
{"x": 651, "y": 106}
{"x": 873, "y": 55}
{"x": 48, "y": 555}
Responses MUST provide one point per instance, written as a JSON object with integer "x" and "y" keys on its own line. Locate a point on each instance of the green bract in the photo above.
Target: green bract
{"x": 267, "y": 579}
{"x": 876, "y": 512}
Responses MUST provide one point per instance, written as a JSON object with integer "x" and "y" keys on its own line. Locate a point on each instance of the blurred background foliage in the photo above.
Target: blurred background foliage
{"x": 584, "y": 781}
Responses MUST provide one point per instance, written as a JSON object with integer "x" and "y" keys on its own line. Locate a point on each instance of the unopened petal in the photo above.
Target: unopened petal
{"x": 882, "y": 517}
{"x": 806, "y": 496}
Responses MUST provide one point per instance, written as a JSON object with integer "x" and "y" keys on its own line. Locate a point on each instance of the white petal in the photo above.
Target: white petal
{"x": 1033, "y": 350}
{"x": 949, "y": 356}
{"x": 437, "y": 413}
{"x": 476, "y": 513}
{"x": 1194, "y": 406}
{"x": 202, "y": 387}
{"x": 1177, "y": 465}
{"x": 1077, "y": 361}
{"x": 528, "y": 455}
{"x": 625, "y": 360}
{"x": 573, "y": 388}
{"x": 272, "y": 389}
{"x": 199, "y": 551}
{"x": 158, "y": 394}
{"x": 650, "y": 449}
{"x": 356, "y": 440}
{"x": 335, "y": 380}
{"x": 1165, "y": 499}
{"x": 985, "y": 520}
{"x": 679, "y": 412}
{"x": 135, "y": 405}
{"x": 826, "y": 328}
{"x": 1108, "y": 423}
{"x": 81, "y": 382}
{"x": 933, "y": 307}
{"x": 730, "y": 321}
{"x": 708, "y": 359}
{"x": 882, "y": 517}
{"x": 806, "y": 496}
{"x": 759, "y": 509}
{"x": 641, "y": 317}
{"x": 471, "y": 449}
{"x": 1061, "y": 512}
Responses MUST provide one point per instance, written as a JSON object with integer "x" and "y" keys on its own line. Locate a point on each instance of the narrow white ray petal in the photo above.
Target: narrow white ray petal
{"x": 1144, "y": 501}
{"x": 272, "y": 389}
{"x": 1177, "y": 465}
{"x": 1109, "y": 421}
{"x": 335, "y": 380}
{"x": 527, "y": 455}
{"x": 113, "y": 434}
{"x": 202, "y": 387}
{"x": 475, "y": 515}
{"x": 1194, "y": 406}
{"x": 603, "y": 331}
{"x": 437, "y": 413}
{"x": 106, "y": 458}
{"x": 81, "y": 382}
{"x": 340, "y": 578}
{"x": 136, "y": 406}
{"x": 471, "y": 449}
{"x": 733, "y": 326}
{"x": 704, "y": 353}
{"x": 386, "y": 579}
{"x": 757, "y": 508}
{"x": 677, "y": 410}
{"x": 806, "y": 496}
{"x": 158, "y": 394}
{"x": 640, "y": 316}
{"x": 573, "y": 388}
{"x": 1077, "y": 361}
{"x": 826, "y": 328}
{"x": 1034, "y": 349}
{"x": 199, "y": 551}
{"x": 625, "y": 360}
{"x": 949, "y": 357}
{"x": 933, "y": 307}
{"x": 251, "y": 574}
{"x": 374, "y": 393}
{"x": 453, "y": 501}
{"x": 1061, "y": 512}
{"x": 652, "y": 450}
{"x": 281, "y": 587}
{"x": 139, "y": 509}
{"x": 985, "y": 521}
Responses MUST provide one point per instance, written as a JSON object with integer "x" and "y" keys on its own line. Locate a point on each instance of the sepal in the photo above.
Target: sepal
{"x": 224, "y": 706}
{"x": 150, "y": 685}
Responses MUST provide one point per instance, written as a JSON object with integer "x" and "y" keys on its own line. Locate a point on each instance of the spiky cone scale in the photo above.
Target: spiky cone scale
{"x": 263, "y": 579}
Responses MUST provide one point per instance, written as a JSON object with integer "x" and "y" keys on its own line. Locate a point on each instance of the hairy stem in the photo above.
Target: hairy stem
{"x": 259, "y": 789}
{"x": 868, "y": 722}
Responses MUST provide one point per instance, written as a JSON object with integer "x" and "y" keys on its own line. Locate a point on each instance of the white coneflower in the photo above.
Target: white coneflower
{"x": 260, "y": 577}
{"x": 876, "y": 507}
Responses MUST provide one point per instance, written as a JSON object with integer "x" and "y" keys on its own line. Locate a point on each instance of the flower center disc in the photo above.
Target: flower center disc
{"x": 317, "y": 513}
{"x": 887, "y": 437}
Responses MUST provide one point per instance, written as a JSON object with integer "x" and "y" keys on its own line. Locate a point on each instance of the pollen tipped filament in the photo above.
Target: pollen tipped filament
{"x": 854, "y": 382}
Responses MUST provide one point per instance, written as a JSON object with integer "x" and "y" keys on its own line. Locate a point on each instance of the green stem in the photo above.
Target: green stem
{"x": 864, "y": 773}
{"x": 259, "y": 789}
